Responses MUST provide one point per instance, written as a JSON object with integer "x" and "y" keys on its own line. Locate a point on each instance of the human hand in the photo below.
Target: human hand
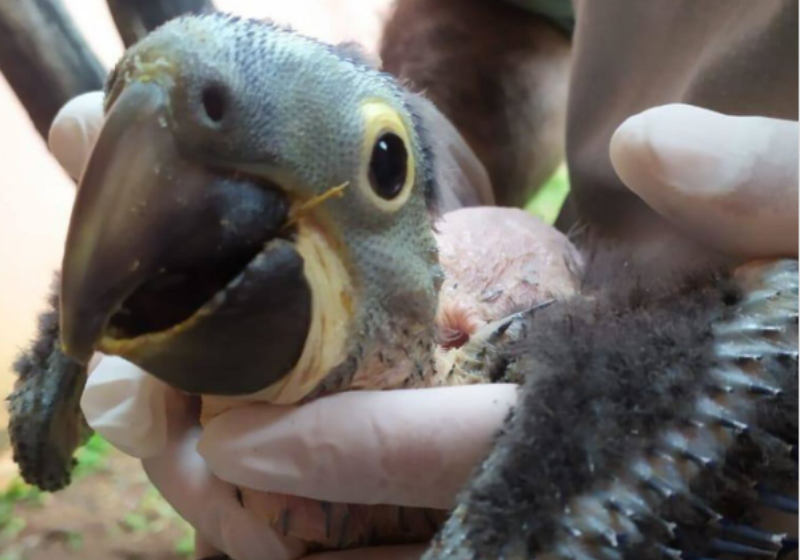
{"x": 147, "y": 419}
{"x": 728, "y": 182}
{"x": 414, "y": 447}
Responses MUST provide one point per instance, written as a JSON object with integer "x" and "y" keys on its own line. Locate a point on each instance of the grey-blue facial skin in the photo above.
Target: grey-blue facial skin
{"x": 242, "y": 171}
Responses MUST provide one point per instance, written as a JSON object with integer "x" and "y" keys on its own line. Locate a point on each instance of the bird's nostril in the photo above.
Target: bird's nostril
{"x": 213, "y": 98}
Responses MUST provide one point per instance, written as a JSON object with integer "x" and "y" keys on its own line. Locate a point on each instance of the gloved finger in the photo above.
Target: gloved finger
{"x": 131, "y": 409}
{"x": 406, "y": 447}
{"x": 211, "y": 505}
{"x": 729, "y": 182}
{"x": 410, "y": 552}
{"x": 74, "y": 131}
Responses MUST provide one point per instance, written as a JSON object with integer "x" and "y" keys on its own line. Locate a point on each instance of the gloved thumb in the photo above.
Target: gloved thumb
{"x": 729, "y": 182}
{"x": 137, "y": 413}
{"x": 75, "y": 130}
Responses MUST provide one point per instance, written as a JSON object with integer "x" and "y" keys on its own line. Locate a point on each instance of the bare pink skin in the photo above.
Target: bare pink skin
{"x": 496, "y": 262}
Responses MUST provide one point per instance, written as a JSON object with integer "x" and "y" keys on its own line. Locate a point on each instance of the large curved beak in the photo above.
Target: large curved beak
{"x": 179, "y": 267}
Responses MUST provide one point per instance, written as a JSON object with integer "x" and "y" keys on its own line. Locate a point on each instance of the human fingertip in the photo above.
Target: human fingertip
{"x": 730, "y": 182}
{"x": 74, "y": 131}
{"x": 627, "y": 136}
{"x": 632, "y": 151}
{"x": 680, "y": 151}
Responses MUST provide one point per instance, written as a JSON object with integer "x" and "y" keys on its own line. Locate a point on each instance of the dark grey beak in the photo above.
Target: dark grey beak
{"x": 178, "y": 267}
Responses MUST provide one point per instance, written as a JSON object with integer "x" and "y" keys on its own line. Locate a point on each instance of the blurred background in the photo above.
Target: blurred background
{"x": 110, "y": 511}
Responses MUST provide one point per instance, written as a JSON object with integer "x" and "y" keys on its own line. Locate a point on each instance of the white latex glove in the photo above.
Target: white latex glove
{"x": 729, "y": 182}
{"x": 146, "y": 418}
{"x": 414, "y": 447}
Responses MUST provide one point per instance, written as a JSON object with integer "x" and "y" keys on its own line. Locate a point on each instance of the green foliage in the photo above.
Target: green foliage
{"x": 11, "y": 555}
{"x": 12, "y": 528}
{"x": 92, "y": 457}
{"x": 185, "y": 545}
{"x": 547, "y": 203}
{"x": 11, "y": 524}
{"x": 74, "y": 541}
{"x": 151, "y": 515}
{"x": 136, "y": 521}
{"x": 17, "y": 492}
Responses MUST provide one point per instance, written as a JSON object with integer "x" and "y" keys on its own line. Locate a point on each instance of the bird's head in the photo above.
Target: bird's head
{"x": 255, "y": 213}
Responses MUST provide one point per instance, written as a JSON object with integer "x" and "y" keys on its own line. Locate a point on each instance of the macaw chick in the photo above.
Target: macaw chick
{"x": 257, "y": 222}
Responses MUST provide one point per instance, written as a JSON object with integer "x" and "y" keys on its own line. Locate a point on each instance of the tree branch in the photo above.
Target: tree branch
{"x": 44, "y": 58}
{"x": 136, "y": 18}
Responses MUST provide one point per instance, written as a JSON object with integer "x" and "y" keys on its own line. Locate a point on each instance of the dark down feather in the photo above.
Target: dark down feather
{"x": 656, "y": 419}
{"x": 46, "y": 424}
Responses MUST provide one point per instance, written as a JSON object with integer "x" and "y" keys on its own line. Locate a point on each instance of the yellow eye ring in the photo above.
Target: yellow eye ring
{"x": 388, "y": 167}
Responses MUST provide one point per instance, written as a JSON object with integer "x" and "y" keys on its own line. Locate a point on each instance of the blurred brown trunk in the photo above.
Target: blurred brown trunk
{"x": 137, "y": 18}
{"x": 44, "y": 58}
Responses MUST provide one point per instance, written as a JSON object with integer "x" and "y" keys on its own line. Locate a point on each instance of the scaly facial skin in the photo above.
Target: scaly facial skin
{"x": 257, "y": 204}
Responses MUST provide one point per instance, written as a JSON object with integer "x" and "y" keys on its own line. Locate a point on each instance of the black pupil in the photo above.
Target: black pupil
{"x": 388, "y": 167}
{"x": 214, "y": 103}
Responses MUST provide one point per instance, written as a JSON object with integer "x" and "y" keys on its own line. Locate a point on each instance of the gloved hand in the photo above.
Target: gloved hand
{"x": 417, "y": 448}
{"x": 412, "y": 447}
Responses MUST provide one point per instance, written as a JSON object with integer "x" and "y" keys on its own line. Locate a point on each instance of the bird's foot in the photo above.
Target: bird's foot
{"x": 482, "y": 359}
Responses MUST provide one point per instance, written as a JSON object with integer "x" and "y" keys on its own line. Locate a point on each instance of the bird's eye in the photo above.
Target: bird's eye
{"x": 213, "y": 98}
{"x": 388, "y": 166}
